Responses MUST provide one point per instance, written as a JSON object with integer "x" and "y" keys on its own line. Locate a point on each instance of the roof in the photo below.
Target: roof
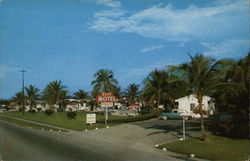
{"x": 134, "y": 105}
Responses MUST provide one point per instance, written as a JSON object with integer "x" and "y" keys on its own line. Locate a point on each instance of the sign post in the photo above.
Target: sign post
{"x": 183, "y": 123}
{"x": 106, "y": 115}
{"x": 106, "y": 100}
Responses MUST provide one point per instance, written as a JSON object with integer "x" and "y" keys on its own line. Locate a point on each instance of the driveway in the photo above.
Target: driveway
{"x": 149, "y": 132}
{"x": 127, "y": 142}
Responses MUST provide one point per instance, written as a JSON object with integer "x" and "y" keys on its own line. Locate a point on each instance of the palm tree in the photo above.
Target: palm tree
{"x": 52, "y": 92}
{"x": 81, "y": 95}
{"x": 132, "y": 91}
{"x": 204, "y": 75}
{"x": 104, "y": 81}
{"x": 117, "y": 91}
{"x": 158, "y": 87}
{"x": 62, "y": 99}
{"x": 239, "y": 73}
{"x": 18, "y": 98}
{"x": 32, "y": 95}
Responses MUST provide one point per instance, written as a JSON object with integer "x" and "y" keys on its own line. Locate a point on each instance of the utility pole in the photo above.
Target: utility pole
{"x": 23, "y": 88}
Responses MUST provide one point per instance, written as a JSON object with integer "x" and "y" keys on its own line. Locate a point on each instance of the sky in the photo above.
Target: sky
{"x": 70, "y": 40}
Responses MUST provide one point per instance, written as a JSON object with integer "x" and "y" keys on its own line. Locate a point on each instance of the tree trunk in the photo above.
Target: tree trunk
{"x": 158, "y": 102}
{"x": 203, "y": 132}
{"x": 31, "y": 107}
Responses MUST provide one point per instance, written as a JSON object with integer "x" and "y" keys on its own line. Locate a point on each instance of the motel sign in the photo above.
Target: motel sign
{"x": 106, "y": 97}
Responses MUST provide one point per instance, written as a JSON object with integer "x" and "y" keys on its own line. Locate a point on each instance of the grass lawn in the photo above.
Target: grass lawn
{"x": 218, "y": 148}
{"x": 31, "y": 125}
{"x": 79, "y": 123}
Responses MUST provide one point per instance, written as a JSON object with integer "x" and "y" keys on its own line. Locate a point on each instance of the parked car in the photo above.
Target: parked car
{"x": 175, "y": 114}
{"x": 2, "y": 110}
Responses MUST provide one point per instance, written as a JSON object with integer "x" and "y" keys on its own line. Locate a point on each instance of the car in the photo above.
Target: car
{"x": 175, "y": 114}
{"x": 2, "y": 110}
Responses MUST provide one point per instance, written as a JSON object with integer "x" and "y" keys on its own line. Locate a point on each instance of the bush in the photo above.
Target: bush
{"x": 49, "y": 112}
{"x": 71, "y": 114}
{"x": 133, "y": 119}
{"x": 39, "y": 109}
{"x": 232, "y": 124}
{"x": 32, "y": 111}
{"x": 20, "y": 109}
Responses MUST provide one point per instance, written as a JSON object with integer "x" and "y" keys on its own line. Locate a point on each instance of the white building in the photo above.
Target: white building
{"x": 189, "y": 103}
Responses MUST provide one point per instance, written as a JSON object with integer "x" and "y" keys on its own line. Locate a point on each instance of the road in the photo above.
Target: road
{"x": 26, "y": 144}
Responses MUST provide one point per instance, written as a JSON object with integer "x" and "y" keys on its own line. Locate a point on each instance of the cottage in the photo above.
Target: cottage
{"x": 189, "y": 103}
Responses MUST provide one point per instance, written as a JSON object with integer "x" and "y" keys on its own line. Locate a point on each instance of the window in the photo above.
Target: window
{"x": 192, "y": 106}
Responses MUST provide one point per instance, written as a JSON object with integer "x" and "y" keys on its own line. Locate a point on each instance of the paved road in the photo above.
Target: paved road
{"x": 148, "y": 133}
{"x": 24, "y": 144}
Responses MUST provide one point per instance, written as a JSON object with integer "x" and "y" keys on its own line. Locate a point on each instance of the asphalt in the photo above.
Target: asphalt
{"x": 127, "y": 142}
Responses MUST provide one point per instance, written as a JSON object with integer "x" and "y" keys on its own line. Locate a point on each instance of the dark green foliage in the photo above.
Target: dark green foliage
{"x": 39, "y": 109}
{"x": 71, "y": 114}
{"x": 20, "y": 109}
{"x": 132, "y": 93}
{"x": 232, "y": 124}
{"x": 133, "y": 119}
{"x": 32, "y": 111}
{"x": 55, "y": 93}
{"x": 49, "y": 112}
{"x": 32, "y": 96}
{"x": 104, "y": 82}
{"x": 235, "y": 102}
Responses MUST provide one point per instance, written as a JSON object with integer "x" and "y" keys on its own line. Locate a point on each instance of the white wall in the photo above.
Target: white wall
{"x": 184, "y": 103}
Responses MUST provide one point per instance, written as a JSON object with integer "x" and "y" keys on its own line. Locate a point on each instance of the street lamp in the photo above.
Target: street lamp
{"x": 23, "y": 88}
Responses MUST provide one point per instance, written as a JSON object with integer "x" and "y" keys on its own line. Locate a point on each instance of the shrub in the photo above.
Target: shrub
{"x": 71, "y": 114}
{"x": 49, "y": 112}
{"x": 20, "y": 109}
{"x": 39, "y": 109}
{"x": 32, "y": 111}
{"x": 133, "y": 119}
{"x": 232, "y": 124}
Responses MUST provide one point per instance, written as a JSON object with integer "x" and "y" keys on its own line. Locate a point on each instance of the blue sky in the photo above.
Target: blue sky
{"x": 70, "y": 40}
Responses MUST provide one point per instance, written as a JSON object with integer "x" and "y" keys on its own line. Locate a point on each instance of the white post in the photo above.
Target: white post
{"x": 183, "y": 123}
{"x": 106, "y": 116}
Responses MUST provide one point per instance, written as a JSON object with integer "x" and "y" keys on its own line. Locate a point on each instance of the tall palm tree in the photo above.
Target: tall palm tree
{"x": 104, "y": 81}
{"x": 62, "y": 99}
{"x": 32, "y": 95}
{"x": 158, "y": 87}
{"x": 52, "y": 92}
{"x": 240, "y": 73}
{"x": 132, "y": 91}
{"x": 81, "y": 95}
{"x": 204, "y": 75}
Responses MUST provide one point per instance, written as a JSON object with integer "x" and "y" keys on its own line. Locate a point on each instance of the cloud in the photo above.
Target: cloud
{"x": 151, "y": 48}
{"x": 109, "y": 3}
{"x": 232, "y": 48}
{"x": 224, "y": 19}
{"x": 7, "y": 68}
{"x": 115, "y": 13}
{"x": 144, "y": 71}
